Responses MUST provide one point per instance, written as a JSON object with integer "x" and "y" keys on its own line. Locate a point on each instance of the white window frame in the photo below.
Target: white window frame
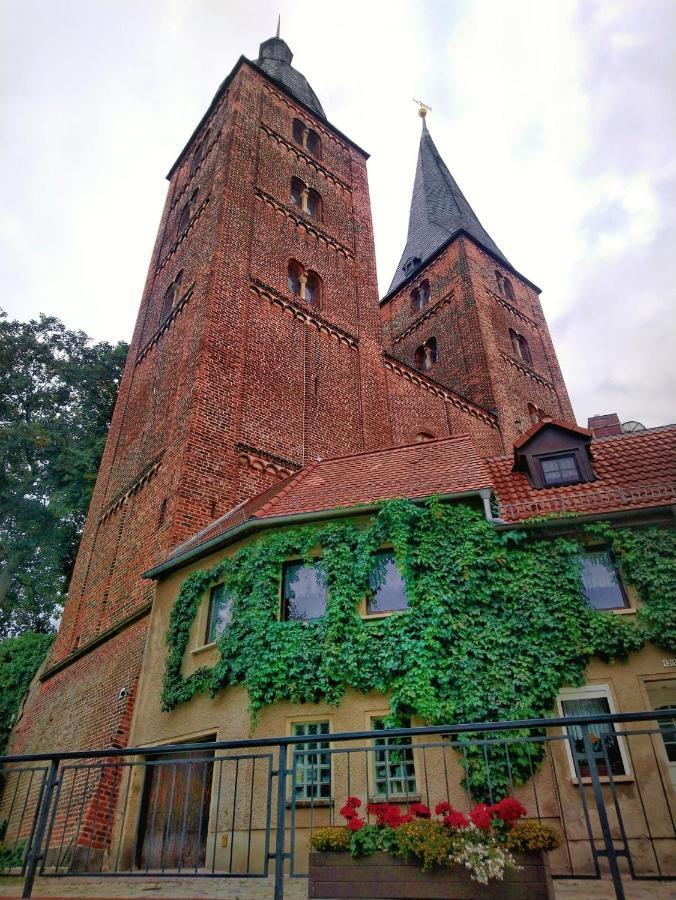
{"x": 593, "y": 692}
{"x": 292, "y": 722}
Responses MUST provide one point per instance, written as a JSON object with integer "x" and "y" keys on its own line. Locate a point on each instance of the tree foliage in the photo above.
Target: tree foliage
{"x": 19, "y": 660}
{"x": 57, "y": 392}
{"x": 496, "y": 622}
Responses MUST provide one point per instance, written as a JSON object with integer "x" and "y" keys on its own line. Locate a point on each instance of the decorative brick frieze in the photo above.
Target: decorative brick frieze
{"x": 512, "y": 309}
{"x": 306, "y": 223}
{"x": 430, "y": 310}
{"x": 263, "y": 461}
{"x": 303, "y": 312}
{"x": 149, "y": 472}
{"x": 179, "y": 240}
{"x": 301, "y": 154}
{"x": 192, "y": 176}
{"x": 524, "y": 370}
{"x": 166, "y": 323}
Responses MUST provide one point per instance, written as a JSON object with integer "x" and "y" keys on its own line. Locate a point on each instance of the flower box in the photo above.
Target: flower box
{"x": 335, "y": 875}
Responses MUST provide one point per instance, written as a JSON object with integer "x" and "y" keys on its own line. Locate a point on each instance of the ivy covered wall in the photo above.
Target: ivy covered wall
{"x": 496, "y": 624}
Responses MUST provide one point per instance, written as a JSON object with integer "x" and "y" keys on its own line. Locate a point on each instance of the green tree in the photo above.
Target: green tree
{"x": 57, "y": 393}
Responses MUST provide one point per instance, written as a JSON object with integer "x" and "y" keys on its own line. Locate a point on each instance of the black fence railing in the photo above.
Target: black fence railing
{"x": 247, "y": 809}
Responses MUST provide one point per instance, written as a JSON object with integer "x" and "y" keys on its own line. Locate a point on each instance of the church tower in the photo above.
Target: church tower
{"x": 256, "y": 349}
{"x": 460, "y": 312}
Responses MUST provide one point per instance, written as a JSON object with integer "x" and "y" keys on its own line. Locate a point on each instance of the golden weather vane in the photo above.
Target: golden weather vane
{"x": 424, "y": 108}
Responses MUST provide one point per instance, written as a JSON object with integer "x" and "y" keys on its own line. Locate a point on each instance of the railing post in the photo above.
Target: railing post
{"x": 280, "y": 835}
{"x": 608, "y": 843}
{"x": 35, "y": 851}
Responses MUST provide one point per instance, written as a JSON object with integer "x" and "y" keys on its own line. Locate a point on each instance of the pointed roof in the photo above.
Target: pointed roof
{"x": 274, "y": 58}
{"x": 439, "y": 211}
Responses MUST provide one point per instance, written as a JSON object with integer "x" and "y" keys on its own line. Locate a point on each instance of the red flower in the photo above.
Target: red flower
{"x": 455, "y": 819}
{"x": 420, "y": 810}
{"x": 347, "y": 812}
{"x": 355, "y": 823}
{"x": 509, "y": 810}
{"x": 375, "y": 809}
{"x": 481, "y": 816}
{"x": 354, "y": 802}
{"x": 443, "y": 807}
{"x": 403, "y": 820}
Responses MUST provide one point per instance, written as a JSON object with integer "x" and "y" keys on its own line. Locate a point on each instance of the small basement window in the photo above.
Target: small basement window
{"x": 303, "y": 592}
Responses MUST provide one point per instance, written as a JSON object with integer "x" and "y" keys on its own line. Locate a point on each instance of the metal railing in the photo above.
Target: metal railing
{"x": 224, "y": 809}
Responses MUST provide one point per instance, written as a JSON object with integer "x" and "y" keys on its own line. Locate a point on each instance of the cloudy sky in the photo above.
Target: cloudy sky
{"x": 557, "y": 118}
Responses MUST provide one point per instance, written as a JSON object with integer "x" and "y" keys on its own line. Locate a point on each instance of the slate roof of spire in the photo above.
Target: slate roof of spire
{"x": 274, "y": 58}
{"x": 439, "y": 210}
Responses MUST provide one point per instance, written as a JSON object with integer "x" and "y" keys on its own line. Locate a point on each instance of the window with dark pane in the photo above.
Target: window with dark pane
{"x": 313, "y": 289}
{"x": 387, "y": 585}
{"x": 303, "y": 592}
{"x": 600, "y": 579}
{"x": 220, "y": 612}
{"x": 561, "y": 469}
{"x": 171, "y": 295}
{"x": 297, "y": 188}
{"x": 668, "y": 730}
{"x": 186, "y": 214}
{"x": 314, "y": 204}
{"x": 295, "y": 270}
{"x": 299, "y": 132}
{"x": 313, "y": 762}
{"x": 394, "y": 769}
{"x": 312, "y": 144}
{"x": 604, "y": 739}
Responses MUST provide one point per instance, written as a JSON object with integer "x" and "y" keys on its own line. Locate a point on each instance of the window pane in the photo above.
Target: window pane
{"x": 304, "y": 592}
{"x": 394, "y": 771}
{"x": 560, "y": 469}
{"x": 668, "y": 729}
{"x": 389, "y": 590}
{"x": 602, "y": 586}
{"x": 296, "y": 192}
{"x": 220, "y": 612}
{"x": 313, "y": 769}
{"x": 604, "y": 739}
{"x": 298, "y": 129}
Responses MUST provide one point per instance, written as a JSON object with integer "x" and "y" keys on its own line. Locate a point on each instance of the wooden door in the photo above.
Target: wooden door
{"x": 174, "y": 817}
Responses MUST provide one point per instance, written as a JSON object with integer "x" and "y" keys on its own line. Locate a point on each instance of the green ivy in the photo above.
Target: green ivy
{"x": 496, "y": 622}
{"x": 19, "y": 660}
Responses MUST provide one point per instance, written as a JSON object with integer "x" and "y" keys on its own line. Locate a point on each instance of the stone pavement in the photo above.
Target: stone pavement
{"x": 85, "y": 888}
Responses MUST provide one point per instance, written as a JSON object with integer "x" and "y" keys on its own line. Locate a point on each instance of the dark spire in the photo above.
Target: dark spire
{"x": 274, "y": 58}
{"x": 438, "y": 211}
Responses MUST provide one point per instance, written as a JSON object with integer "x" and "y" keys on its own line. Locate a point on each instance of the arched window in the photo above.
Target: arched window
{"x": 186, "y": 214}
{"x": 504, "y": 286}
{"x": 307, "y": 138}
{"x": 305, "y": 198}
{"x": 171, "y": 295}
{"x": 198, "y": 154}
{"x": 520, "y": 346}
{"x": 304, "y": 283}
{"x": 420, "y": 296}
{"x": 426, "y": 355}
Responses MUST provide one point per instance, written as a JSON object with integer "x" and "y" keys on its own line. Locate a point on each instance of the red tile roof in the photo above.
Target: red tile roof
{"x": 444, "y": 466}
{"x": 632, "y": 471}
{"x": 566, "y": 426}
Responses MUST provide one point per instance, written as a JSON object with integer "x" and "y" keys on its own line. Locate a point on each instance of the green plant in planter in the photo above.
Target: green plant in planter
{"x": 496, "y": 623}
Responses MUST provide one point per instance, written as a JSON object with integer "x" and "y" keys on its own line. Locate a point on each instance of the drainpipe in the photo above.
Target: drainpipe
{"x": 485, "y": 494}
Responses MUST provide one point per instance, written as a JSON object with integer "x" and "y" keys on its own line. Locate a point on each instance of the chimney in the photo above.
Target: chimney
{"x": 603, "y": 426}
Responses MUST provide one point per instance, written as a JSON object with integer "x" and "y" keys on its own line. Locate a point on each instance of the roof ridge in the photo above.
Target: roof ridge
{"x": 390, "y": 447}
{"x": 293, "y": 480}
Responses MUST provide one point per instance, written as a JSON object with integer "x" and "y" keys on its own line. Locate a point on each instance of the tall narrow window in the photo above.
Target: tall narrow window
{"x": 420, "y": 296}
{"x": 303, "y": 592}
{"x": 394, "y": 769}
{"x": 297, "y": 191}
{"x": 606, "y": 745}
{"x": 601, "y": 582}
{"x": 199, "y": 152}
{"x": 426, "y": 355}
{"x": 220, "y": 612}
{"x": 307, "y": 138}
{"x": 314, "y": 204}
{"x": 535, "y": 414}
{"x": 504, "y": 285}
{"x": 299, "y": 132}
{"x": 187, "y": 213}
{"x": 313, "y": 762}
{"x": 304, "y": 283}
{"x": 171, "y": 295}
{"x": 313, "y": 289}
{"x": 295, "y": 273}
{"x": 305, "y": 198}
{"x": 520, "y": 346}
{"x": 388, "y": 591}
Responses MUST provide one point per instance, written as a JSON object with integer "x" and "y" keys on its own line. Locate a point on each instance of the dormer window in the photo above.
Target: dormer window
{"x": 420, "y": 296}
{"x": 554, "y": 454}
{"x": 561, "y": 468}
{"x": 411, "y": 264}
{"x": 307, "y": 138}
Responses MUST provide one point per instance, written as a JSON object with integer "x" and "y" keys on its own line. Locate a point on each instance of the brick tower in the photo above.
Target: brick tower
{"x": 459, "y": 311}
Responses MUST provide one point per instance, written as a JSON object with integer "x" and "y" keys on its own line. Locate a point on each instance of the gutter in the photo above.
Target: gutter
{"x": 564, "y": 523}
{"x": 253, "y": 524}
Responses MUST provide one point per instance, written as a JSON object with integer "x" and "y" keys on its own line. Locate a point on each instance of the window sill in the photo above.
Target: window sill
{"x": 395, "y": 798}
{"x": 204, "y": 648}
{"x": 627, "y": 611}
{"x": 310, "y": 804}
{"x": 383, "y": 615}
{"x": 604, "y": 779}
